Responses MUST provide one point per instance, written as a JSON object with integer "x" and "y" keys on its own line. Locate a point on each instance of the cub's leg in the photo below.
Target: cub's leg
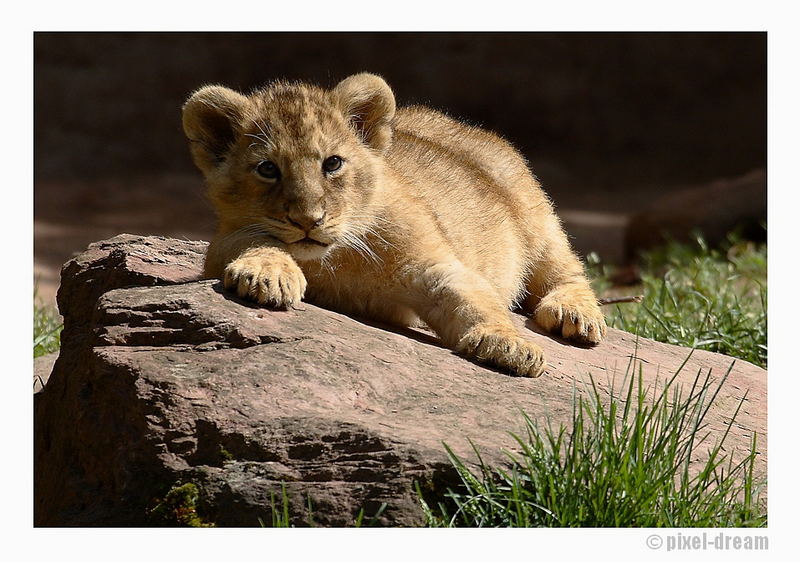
{"x": 468, "y": 315}
{"x": 560, "y": 297}
{"x": 256, "y": 269}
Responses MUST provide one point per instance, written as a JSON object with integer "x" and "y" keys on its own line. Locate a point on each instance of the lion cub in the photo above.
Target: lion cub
{"x": 392, "y": 214}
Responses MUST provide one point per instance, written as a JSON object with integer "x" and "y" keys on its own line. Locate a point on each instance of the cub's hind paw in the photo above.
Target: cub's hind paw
{"x": 574, "y": 314}
{"x": 503, "y": 348}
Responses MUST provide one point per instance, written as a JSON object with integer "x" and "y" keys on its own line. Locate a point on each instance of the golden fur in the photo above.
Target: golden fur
{"x": 425, "y": 218}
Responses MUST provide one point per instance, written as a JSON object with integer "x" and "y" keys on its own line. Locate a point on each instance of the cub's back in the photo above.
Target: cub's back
{"x": 449, "y": 161}
{"x": 475, "y": 188}
{"x": 479, "y": 150}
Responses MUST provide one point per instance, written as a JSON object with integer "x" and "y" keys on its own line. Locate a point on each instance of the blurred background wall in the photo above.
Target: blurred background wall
{"x": 612, "y": 123}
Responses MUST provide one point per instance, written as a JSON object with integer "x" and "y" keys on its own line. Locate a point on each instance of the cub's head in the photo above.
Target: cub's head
{"x": 294, "y": 162}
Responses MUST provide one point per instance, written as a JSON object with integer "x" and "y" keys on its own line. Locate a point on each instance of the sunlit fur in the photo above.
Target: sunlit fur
{"x": 427, "y": 218}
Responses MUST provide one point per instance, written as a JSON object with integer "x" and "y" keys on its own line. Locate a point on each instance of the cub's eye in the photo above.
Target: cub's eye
{"x": 331, "y": 164}
{"x": 268, "y": 170}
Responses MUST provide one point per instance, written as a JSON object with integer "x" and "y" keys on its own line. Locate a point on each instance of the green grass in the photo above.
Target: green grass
{"x": 624, "y": 463}
{"x": 699, "y": 297}
{"x": 46, "y": 329}
{"x": 282, "y": 518}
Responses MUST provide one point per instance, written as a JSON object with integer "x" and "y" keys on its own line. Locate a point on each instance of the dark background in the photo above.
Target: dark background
{"x": 609, "y": 121}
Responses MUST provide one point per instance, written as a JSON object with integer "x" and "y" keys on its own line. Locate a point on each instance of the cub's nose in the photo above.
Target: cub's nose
{"x": 306, "y": 221}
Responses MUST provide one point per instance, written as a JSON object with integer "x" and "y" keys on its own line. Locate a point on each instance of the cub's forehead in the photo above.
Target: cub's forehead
{"x": 287, "y": 115}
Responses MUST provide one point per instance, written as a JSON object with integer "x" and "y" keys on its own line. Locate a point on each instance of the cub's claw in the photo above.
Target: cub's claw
{"x": 276, "y": 281}
{"x": 503, "y": 348}
{"x": 576, "y": 315}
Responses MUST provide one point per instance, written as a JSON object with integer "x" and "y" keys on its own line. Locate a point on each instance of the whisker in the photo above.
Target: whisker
{"x": 326, "y": 265}
{"x": 257, "y": 137}
{"x": 369, "y": 218}
{"x": 253, "y": 231}
{"x": 262, "y": 139}
{"x": 366, "y": 229}
{"x": 266, "y": 136}
{"x": 361, "y": 247}
{"x": 379, "y": 237}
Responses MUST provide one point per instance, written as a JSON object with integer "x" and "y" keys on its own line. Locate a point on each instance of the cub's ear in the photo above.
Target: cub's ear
{"x": 368, "y": 101}
{"x": 211, "y": 120}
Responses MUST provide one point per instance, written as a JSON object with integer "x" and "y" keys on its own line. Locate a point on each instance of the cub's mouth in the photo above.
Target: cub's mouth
{"x": 308, "y": 249}
{"x": 308, "y": 240}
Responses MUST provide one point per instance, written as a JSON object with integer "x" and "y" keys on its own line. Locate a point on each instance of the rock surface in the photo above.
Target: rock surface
{"x": 715, "y": 209}
{"x": 163, "y": 379}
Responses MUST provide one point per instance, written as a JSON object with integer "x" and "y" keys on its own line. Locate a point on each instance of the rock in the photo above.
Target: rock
{"x": 715, "y": 210}
{"x": 595, "y": 231}
{"x": 166, "y": 380}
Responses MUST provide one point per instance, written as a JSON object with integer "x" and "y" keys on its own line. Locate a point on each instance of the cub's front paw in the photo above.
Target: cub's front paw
{"x": 574, "y": 313}
{"x": 503, "y": 347}
{"x": 274, "y": 280}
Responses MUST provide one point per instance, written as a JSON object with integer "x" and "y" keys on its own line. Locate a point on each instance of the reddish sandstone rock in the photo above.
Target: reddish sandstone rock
{"x": 164, "y": 379}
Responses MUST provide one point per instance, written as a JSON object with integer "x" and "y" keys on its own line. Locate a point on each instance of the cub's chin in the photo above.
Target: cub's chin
{"x": 308, "y": 250}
